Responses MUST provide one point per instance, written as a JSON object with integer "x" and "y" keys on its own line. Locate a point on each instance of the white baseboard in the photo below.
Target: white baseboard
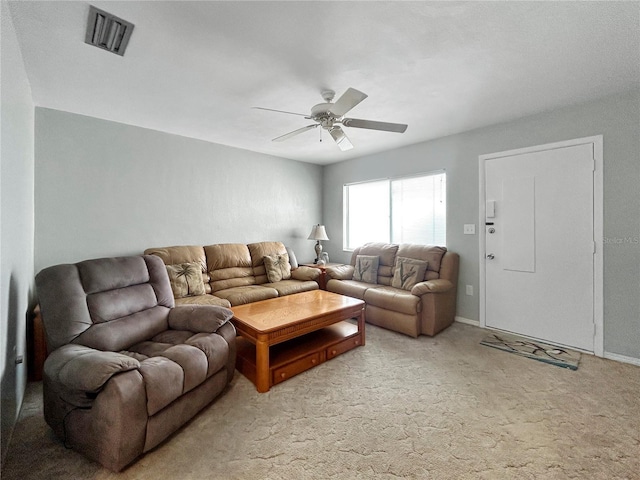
{"x": 467, "y": 321}
{"x": 622, "y": 358}
{"x": 610, "y": 356}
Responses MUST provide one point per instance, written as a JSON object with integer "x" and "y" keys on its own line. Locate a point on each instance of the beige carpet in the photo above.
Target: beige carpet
{"x": 428, "y": 408}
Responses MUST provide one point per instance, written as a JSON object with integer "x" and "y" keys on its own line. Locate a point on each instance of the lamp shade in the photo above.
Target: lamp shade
{"x": 318, "y": 233}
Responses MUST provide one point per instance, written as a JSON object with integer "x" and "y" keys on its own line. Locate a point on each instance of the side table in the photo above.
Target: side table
{"x": 322, "y": 280}
{"x": 36, "y": 346}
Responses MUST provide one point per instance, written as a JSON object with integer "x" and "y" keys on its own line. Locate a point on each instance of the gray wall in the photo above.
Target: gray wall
{"x": 105, "y": 188}
{"x": 16, "y": 230}
{"x": 616, "y": 117}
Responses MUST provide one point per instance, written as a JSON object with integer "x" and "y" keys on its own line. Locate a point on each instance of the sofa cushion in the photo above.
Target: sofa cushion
{"x": 118, "y": 303}
{"x": 82, "y": 370}
{"x": 366, "y": 268}
{"x": 258, "y": 251}
{"x": 119, "y": 334}
{"x": 105, "y": 274}
{"x": 408, "y": 272}
{"x": 306, "y": 274}
{"x": 277, "y": 267}
{"x": 350, "y": 288}
{"x": 186, "y": 279}
{"x": 289, "y": 287}
{"x": 193, "y": 361}
{"x": 340, "y": 272}
{"x": 394, "y": 299}
{"x": 214, "y": 347}
{"x": 180, "y": 254}
{"x": 203, "y": 300}
{"x": 163, "y": 381}
{"x": 171, "y": 363}
{"x": 229, "y": 266}
{"x": 428, "y": 253}
{"x": 199, "y": 318}
{"x": 247, "y": 294}
{"x": 387, "y": 254}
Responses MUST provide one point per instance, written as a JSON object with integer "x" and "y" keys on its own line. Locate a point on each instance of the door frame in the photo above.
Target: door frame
{"x": 598, "y": 228}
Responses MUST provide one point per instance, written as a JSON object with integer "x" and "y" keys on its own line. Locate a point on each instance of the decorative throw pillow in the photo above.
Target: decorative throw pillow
{"x": 277, "y": 267}
{"x": 366, "y": 269}
{"x": 186, "y": 279}
{"x": 408, "y": 272}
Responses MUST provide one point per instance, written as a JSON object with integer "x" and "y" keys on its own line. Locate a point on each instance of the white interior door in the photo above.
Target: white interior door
{"x": 539, "y": 244}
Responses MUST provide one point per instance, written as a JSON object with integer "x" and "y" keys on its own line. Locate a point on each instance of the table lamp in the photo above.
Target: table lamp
{"x": 318, "y": 233}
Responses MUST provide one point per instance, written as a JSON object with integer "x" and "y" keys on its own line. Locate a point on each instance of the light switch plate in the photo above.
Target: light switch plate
{"x": 469, "y": 228}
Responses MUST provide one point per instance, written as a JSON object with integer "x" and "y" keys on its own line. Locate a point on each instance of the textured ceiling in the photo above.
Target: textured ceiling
{"x": 197, "y": 68}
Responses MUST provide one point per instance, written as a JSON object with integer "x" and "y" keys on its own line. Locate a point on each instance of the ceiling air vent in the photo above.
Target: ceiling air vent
{"x": 107, "y": 31}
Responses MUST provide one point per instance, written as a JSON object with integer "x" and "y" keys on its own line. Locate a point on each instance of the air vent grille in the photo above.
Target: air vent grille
{"x": 107, "y": 31}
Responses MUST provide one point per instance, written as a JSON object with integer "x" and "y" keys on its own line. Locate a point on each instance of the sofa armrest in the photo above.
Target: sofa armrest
{"x": 431, "y": 286}
{"x": 83, "y": 369}
{"x": 199, "y": 318}
{"x": 305, "y": 273}
{"x": 340, "y": 272}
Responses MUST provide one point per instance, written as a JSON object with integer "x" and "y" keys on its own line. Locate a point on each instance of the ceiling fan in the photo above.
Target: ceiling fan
{"x": 330, "y": 116}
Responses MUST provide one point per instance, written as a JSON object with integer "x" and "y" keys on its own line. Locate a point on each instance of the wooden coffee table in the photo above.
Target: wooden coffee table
{"x": 284, "y": 336}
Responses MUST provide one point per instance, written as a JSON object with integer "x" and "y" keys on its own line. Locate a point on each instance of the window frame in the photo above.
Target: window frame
{"x": 389, "y": 180}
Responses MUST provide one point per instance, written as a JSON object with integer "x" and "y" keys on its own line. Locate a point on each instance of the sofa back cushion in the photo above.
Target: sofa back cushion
{"x": 184, "y": 254}
{"x": 107, "y": 304}
{"x": 260, "y": 250}
{"x": 387, "y": 257}
{"x": 229, "y": 266}
{"x": 429, "y": 253}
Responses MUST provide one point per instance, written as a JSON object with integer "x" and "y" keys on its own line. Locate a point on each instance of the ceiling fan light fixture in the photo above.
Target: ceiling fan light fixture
{"x": 341, "y": 139}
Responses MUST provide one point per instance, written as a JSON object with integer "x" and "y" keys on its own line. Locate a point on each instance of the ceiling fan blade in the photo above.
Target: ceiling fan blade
{"x": 370, "y": 124}
{"x": 281, "y": 111}
{"x": 294, "y": 133}
{"x": 347, "y": 101}
{"x": 341, "y": 138}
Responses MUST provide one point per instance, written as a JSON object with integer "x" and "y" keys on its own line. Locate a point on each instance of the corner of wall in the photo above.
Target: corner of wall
{"x": 17, "y": 223}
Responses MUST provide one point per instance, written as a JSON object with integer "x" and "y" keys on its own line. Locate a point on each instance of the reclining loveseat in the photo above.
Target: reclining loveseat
{"x": 407, "y": 288}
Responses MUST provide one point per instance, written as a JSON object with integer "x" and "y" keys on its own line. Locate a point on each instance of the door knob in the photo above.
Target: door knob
{"x": 491, "y": 256}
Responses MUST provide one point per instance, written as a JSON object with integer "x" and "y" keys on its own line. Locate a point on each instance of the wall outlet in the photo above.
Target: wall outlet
{"x": 469, "y": 290}
{"x": 469, "y": 228}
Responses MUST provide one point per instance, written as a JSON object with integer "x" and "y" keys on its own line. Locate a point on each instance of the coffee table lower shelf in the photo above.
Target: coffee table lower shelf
{"x": 295, "y": 356}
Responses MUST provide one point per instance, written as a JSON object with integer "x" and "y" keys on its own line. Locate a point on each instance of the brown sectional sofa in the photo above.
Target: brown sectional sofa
{"x": 235, "y": 273}
{"x": 426, "y": 308}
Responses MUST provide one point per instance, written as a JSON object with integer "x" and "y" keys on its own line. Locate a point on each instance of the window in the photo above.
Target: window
{"x": 400, "y": 210}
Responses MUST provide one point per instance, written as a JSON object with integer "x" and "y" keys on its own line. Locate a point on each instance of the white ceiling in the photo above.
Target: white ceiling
{"x": 197, "y": 68}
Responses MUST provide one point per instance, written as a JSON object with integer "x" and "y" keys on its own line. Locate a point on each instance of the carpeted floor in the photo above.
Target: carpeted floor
{"x": 428, "y": 408}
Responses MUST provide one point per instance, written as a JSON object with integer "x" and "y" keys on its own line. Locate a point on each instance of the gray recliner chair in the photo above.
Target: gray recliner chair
{"x": 126, "y": 367}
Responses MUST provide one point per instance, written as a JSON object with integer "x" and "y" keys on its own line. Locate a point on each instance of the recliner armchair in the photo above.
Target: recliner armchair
{"x": 127, "y": 368}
